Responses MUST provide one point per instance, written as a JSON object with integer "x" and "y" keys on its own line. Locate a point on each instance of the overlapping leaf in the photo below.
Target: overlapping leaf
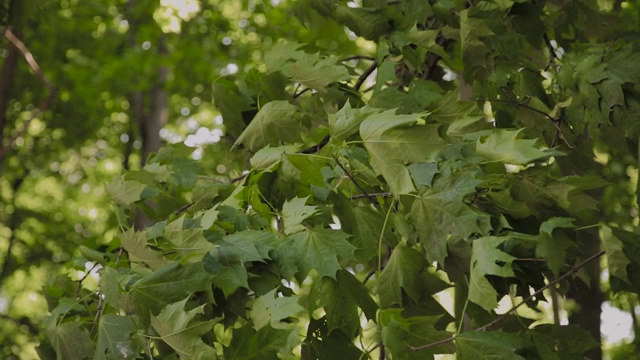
{"x": 393, "y": 141}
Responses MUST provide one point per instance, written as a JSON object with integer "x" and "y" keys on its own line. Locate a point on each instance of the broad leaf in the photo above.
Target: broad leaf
{"x": 504, "y": 146}
{"x": 182, "y": 332}
{"x": 487, "y": 259}
{"x": 439, "y": 214}
{"x": 393, "y": 141}
{"x": 125, "y": 192}
{"x": 403, "y": 272}
{"x": 399, "y": 333}
{"x": 135, "y": 242}
{"x": 473, "y": 345}
{"x": 114, "y": 338}
{"x": 294, "y": 212}
{"x": 249, "y": 344}
{"x": 341, "y": 299}
{"x": 165, "y": 286}
{"x": 317, "y": 249}
{"x": 271, "y": 309}
{"x": 274, "y": 122}
{"x": 70, "y": 340}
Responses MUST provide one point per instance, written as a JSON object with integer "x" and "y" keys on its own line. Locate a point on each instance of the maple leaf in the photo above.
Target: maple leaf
{"x": 274, "y": 310}
{"x": 439, "y": 213}
{"x": 503, "y": 145}
{"x": 341, "y": 298}
{"x": 125, "y": 192}
{"x": 315, "y": 248}
{"x": 179, "y": 330}
{"x": 402, "y": 272}
{"x": 114, "y": 337}
{"x": 396, "y": 140}
{"x": 294, "y": 212}
{"x": 473, "y": 345}
{"x": 274, "y": 122}
{"x": 485, "y": 259}
{"x": 189, "y": 243}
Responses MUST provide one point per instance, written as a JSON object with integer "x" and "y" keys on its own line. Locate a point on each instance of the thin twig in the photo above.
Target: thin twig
{"x": 236, "y": 179}
{"x": 552, "y": 52}
{"x": 99, "y": 311}
{"x": 365, "y": 75}
{"x": 295, "y": 96}
{"x": 358, "y": 57}
{"x": 316, "y": 148}
{"x": 556, "y": 122}
{"x": 15, "y": 41}
{"x": 79, "y": 287}
{"x": 515, "y": 307}
{"x": 382, "y": 194}
{"x": 355, "y": 182}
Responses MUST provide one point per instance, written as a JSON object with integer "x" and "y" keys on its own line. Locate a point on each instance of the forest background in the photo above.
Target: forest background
{"x": 319, "y": 179}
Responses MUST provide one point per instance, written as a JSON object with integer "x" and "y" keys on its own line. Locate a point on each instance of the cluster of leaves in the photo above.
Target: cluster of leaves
{"x": 364, "y": 198}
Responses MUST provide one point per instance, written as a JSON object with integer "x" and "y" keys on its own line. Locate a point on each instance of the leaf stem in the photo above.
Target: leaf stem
{"x": 384, "y": 227}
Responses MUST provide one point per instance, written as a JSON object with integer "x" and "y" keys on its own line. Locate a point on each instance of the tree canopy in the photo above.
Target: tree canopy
{"x": 318, "y": 179}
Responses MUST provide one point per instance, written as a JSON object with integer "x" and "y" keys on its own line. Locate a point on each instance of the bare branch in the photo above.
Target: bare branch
{"x": 43, "y": 107}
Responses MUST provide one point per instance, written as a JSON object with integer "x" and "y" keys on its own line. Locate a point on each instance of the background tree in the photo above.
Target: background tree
{"x": 348, "y": 168}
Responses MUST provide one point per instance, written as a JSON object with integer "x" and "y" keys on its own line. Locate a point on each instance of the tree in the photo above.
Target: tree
{"x": 484, "y": 150}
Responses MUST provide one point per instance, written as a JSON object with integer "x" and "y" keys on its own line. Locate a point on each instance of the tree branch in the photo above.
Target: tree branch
{"x": 515, "y": 307}
{"x": 365, "y": 75}
{"x": 4, "y": 151}
{"x": 355, "y": 182}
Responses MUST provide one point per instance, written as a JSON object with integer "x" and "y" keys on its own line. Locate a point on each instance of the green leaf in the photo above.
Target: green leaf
{"x": 368, "y": 23}
{"x": 274, "y": 122}
{"x": 228, "y": 260}
{"x": 114, "y": 338}
{"x": 179, "y": 330}
{"x": 617, "y": 260}
{"x": 487, "y": 259}
{"x": 320, "y": 343}
{"x": 553, "y": 248}
{"x": 249, "y": 344}
{"x": 135, "y": 243}
{"x": 403, "y": 272}
{"x": 439, "y": 213}
{"x": 399, "y": 333}
{"x": 231, "y": 105}
{"x": 70, "y": 340}
{"x": 315, "y": 248}
{"x": 268, "y": 156}
{"x": 110, "y": 287}
{"x": 367, "y": 227}
{"x": 346, "y": 121}
{"x": 497, "y": 345}
{"x": 555, "y": 342}
{"x": 275, "y": 310}
{"x": 125, "y": 192}
{"x": 294, "y": 212}
{"x": 308, "y": 69}
{"x": 503, "y": 146}
{"x": 396, "y": 140}
{"x": 341, "y": 298}
{"x": 189, "y": 243}
{"x": 165, "y": 286}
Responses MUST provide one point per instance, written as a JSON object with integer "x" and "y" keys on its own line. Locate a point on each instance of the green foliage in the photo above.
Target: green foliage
{"x": 333, "y": 211}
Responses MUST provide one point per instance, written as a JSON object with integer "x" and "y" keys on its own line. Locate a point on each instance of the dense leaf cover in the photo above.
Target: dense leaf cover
{"x": 475, "y": 145}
